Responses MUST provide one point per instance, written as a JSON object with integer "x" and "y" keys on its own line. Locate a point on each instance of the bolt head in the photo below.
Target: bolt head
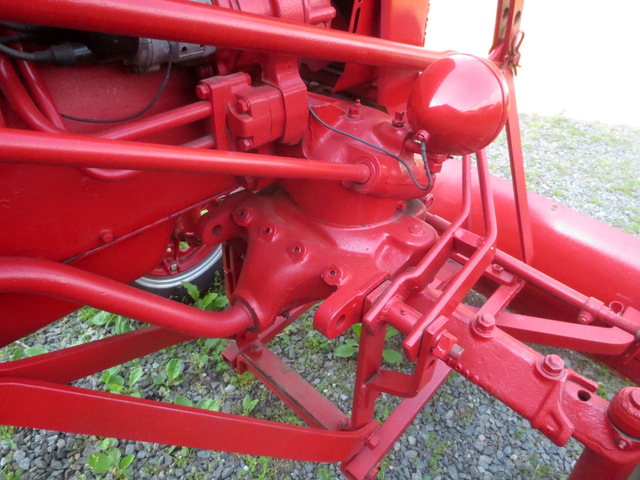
{"x": 245, "y": 144}
{"x": 173, "y": 267}
{"x": 553, "y": 365}
{"x": 242, "y": 105}
{"x": 202, "y": 92}
{"x": 398, "y": 120}
{"x": 106, "y": 236}
{"x": 485, "y": 323}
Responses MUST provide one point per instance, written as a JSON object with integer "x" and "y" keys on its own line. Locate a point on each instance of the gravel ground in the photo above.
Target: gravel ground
{"x": 463, "y": 433}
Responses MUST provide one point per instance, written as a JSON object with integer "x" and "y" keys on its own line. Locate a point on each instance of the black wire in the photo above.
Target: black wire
{"x": 12, "y": 52}
{"x": 22, "y": 27}
{"x": 18, "y": 37}
{"x": 141, "y": 112}
{"x": 423, "y": 152}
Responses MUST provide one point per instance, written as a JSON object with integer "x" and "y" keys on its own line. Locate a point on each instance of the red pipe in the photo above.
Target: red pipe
{"x": 20, "y": 146}
{"x": 68, "y": 283}
{"x": 40, "y": 92}
{"x": 158, "y": 123}
{"x": 203, "y": 24}
{"x": 20, "y": 100}
{"x": 203, "y": 142}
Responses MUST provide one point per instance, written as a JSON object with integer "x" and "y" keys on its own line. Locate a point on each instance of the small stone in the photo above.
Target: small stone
{"x": 230, "y": 388}
{"x": 411, "y": 454}
{"x": 24, "y": 464}
{"x": 412, "y": 440}
{"x": 18, "y": 455}
{"x": 226, "y": 473}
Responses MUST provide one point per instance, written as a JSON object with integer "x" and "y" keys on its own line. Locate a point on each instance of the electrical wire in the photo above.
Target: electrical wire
{"x": 135, "y": 115}
{"x": 12, "y": 52}
{"x": 22, "y": 27}
{"x": 423, "y": 152}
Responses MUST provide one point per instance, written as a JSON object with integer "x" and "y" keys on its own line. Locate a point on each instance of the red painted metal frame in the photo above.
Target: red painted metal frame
{"x": 335, "y": 219}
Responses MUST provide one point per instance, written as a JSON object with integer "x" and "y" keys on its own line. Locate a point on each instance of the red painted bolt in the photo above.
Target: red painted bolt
{"x": 242, "y": 105}
{"x": 485, "y": 323}
{"x": 497, "y": 268}
{"x": 354, "y": 110}
{"x": 552, "y": 365}
{"x": 106, "y": 236}
{"x": 202, "y": 92}
{"x": 245, "y": 144}
{"x": 583, "y": 318}
{"x": 624, "y": 411}
{"x": 398, "y": 120}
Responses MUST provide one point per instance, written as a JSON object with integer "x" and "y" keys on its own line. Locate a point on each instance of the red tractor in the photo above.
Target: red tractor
{"x": 316, "y": 152}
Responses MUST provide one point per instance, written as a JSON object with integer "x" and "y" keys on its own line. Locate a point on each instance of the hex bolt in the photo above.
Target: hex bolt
{"x": 242, "y": 105}
{"x": 552, "y": 365}
{"x": 485, "y": 323}
{"x": 624, "y": 412}
{"x": 245, "y": 144}
{"x": 202, "y": 92}
{"x": 173, "y": 267}
{"x": 497, "y": 268}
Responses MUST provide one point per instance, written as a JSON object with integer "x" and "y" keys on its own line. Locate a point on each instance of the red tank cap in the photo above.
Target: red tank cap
{"x": 462, "y": 101}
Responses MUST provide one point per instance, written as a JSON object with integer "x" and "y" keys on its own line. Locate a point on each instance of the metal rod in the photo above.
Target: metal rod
{"x": 85, "y": 288}
{"x": 50, "y": 406}
{"x": 76, "y": 151}
{"x": 204, "y": 24}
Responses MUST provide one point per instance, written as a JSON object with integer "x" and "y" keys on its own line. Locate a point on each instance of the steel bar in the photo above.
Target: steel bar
{"x": 51, "y": 406}
{"x": 464, "y": 280}
{"x": 518, "y": 178}
{"x": 75, "y": 151}
{"x": 583, "y": 338}
{"x": 565, "y": 293}
{"x": 158, "y": 123}
{"x": 72, "y": 363}
{"x": 203, "y": 24}
{"x": 301, "y": 397}
{"x": 85, "y": 288}
{"x": 394, "y": 426}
